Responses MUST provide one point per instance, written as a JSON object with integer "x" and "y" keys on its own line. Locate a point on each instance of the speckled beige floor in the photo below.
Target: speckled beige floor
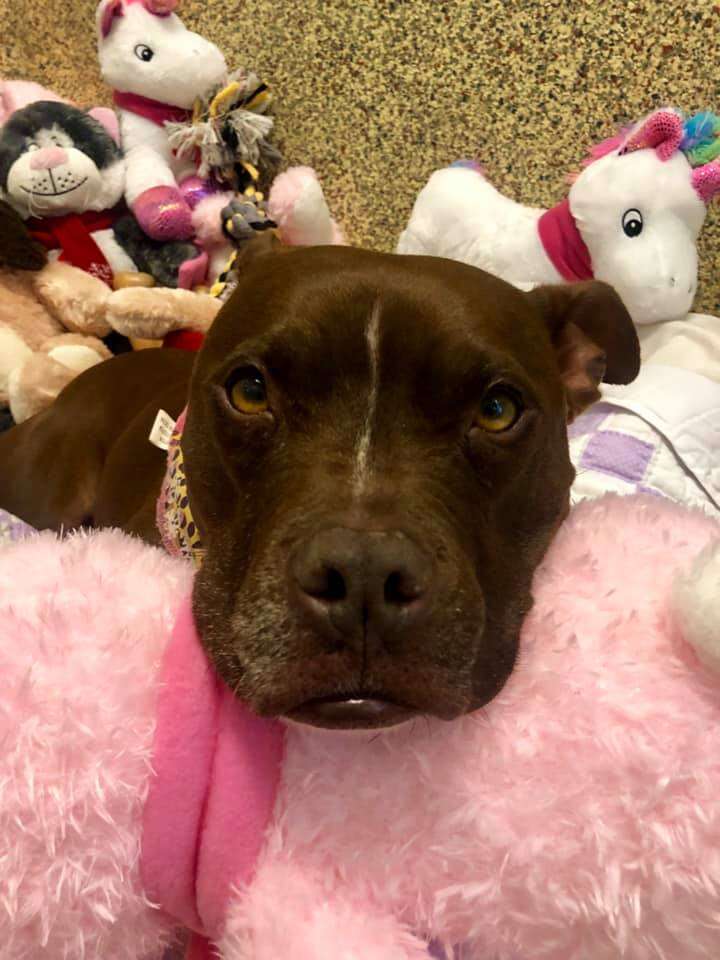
{"x": 377, "y": 93}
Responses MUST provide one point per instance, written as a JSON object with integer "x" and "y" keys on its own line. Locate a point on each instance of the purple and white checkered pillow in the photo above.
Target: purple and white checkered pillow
{"x": 601, "y": 443}
{"x": 616, "y": 451}
{"x": 12, "y": 528}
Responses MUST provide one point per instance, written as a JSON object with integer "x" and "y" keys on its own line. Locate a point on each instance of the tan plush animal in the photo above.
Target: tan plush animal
{"x": 39, "y": 355}
{"x": 52, "y": 316}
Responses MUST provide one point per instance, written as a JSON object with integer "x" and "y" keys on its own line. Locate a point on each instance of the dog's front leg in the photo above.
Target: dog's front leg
{"x": 291, "y": 912}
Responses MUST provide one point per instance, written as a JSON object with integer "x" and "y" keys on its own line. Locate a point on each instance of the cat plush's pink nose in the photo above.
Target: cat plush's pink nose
{"x": 47, "y": 158}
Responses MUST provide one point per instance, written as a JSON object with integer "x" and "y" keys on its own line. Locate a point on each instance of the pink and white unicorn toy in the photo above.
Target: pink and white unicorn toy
{"x": 632, "y": 218}
{"x": 158, "y": 68}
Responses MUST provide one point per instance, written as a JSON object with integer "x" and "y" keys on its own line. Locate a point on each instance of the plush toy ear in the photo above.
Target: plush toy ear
{"x": 662, "y": 131}
{"x": 593, "y": 336}
{"x": 161, "y": 8}
{"x": 706, "y": 180}
{"x": 106, "y": 13}
{"x": 16, "y": 94}
{"x": 261, "y": 244}
{"x": 108, "y": 119}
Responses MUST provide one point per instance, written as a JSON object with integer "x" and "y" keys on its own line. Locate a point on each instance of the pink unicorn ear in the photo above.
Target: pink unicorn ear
{"x": 662, "y": 131}
{"x": 109, "y": 9}
{"x": 161, "y": 8}
{"x": 106, "y": 15}
{"x": 108, "y": 119}
{"x": 706, "y": 180}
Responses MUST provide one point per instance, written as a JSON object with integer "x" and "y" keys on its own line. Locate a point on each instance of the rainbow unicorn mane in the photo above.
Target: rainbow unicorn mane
{"x": 700, "y": 142}
{"x": 701, "y": 138}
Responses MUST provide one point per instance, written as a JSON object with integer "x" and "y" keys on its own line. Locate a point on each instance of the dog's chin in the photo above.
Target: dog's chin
{"x": 356, "y": 712}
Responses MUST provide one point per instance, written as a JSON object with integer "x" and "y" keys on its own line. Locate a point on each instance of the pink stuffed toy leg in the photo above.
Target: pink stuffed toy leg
{"x": 288, "y": 912}
{"x": 207, "y": 215}
{"x": 163, "y": 213}
{"x": 298, "y": 206}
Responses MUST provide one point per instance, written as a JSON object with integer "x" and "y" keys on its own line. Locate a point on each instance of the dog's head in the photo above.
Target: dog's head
{"x": 376, "y": 453}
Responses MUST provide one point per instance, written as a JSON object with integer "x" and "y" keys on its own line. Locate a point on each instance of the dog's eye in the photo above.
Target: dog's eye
{"x": 247, "y": 392}
{"x": 33, "y": 146}
{"x": 143, "y": 52}
{"x": 499, "y": 410}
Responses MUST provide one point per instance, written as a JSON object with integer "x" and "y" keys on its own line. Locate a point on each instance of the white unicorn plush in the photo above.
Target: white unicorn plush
{"x": 631, "y": 218}
{"x": 157, "y": 68}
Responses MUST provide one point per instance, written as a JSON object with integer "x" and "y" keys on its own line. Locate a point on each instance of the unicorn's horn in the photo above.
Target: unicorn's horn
{"x": 706, "y": 180}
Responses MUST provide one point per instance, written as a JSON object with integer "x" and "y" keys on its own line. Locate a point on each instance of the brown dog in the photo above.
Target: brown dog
{"x": 377, "y": 459}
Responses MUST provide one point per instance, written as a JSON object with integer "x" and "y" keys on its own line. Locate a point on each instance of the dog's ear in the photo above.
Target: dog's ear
{"x": 263, "y": 243}
{"x": 593, "y": 336}
{"x": 18, "y": 250}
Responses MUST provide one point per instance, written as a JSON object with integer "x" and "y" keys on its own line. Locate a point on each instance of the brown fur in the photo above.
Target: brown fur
{"x": 18, "y": 250}
{"x": 461, "y": 515}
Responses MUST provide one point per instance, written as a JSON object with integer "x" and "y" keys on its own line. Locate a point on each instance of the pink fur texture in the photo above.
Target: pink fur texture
{"x": 84, "y": 623}
{"x": 206, "y": 219}
{"x": 577, "y": 817}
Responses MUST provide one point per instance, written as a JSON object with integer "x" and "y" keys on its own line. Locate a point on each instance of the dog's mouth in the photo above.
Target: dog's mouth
{"x": 356, "y": 711}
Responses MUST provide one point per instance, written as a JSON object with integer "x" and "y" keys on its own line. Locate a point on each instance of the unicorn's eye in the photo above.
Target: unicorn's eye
{"x": 143, "y": 52}
{"x": 632, "y": 222}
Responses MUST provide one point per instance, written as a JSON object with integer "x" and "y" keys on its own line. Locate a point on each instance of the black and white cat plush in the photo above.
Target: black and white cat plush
{"x": 61, "y": 168}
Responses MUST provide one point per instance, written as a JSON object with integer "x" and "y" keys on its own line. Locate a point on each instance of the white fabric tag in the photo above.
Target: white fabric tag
{"x": 162, "y": 430}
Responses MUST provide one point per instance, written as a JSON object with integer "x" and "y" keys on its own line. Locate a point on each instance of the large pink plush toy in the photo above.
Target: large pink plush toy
{"x": 577, "y": 817}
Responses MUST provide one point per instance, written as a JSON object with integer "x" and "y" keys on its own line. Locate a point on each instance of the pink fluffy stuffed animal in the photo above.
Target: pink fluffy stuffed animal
{"x": 576, "y": 817}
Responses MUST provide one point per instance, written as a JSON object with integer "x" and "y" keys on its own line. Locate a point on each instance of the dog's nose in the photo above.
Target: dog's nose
{"x": 358, "y": 586}
{"x": 47, "y": 158}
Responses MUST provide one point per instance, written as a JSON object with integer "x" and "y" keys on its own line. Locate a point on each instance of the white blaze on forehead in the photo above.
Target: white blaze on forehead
{"x": 361, "y": 470}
